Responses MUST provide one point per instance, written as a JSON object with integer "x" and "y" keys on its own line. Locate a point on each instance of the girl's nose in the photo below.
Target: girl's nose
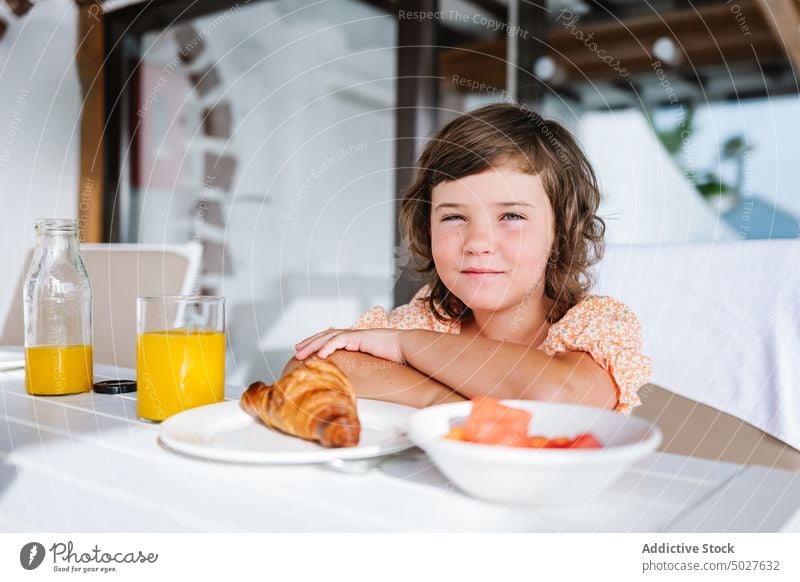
{"x": 478, "y": 241}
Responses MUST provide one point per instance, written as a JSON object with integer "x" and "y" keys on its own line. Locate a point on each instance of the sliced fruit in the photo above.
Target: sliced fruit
{"x": 586, "y": 441}
{"x": 558, "y": 443}
{"x": 455, "y": 434}
{"x": 492, "y": 423}
{"x": 537, "y": 442}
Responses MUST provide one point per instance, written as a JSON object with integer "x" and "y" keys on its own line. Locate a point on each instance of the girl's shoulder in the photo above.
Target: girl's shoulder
{"x": 600, "y": 313}
{"x": 416, "y": 314}
{"x": 609, "y": 331}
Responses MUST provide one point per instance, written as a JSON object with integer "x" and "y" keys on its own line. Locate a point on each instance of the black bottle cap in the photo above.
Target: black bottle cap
{"x": 115, "y": 386}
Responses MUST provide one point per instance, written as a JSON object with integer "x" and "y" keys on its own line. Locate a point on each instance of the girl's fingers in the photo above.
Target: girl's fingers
{"x": 314, "y": 344}
{"x": 305, "y": 342}
{"x": 331, "y": 346}
{"x": 302, "y": 344}
{"x": 341, "y": 341}
{"x": 325, "y": 350}
{"x": 306, "y": 350}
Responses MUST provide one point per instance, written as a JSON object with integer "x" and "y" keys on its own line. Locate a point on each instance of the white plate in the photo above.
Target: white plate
{"x": 225, "y": 432}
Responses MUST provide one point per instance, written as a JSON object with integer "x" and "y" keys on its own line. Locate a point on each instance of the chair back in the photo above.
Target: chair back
{"x": 120, "y": 273}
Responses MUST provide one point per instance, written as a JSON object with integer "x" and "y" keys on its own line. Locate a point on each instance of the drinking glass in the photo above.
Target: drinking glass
{"x": 180, "y": 353}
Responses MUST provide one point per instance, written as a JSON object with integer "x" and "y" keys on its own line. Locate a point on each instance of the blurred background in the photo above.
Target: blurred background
{"x": 280, "y": 134}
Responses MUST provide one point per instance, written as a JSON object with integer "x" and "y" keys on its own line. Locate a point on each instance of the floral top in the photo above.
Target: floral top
{"x": 603, "y": 327}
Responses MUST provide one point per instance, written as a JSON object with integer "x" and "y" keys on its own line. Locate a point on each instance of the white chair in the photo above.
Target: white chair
{"x": 719, "y": 322}
{"x": 119, "y": 274}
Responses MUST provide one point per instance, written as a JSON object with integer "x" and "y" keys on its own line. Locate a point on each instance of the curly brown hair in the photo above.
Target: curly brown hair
{"x": 503, "y": 135}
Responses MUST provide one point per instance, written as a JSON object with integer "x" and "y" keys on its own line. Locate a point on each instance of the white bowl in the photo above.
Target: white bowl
{"x": 535, "y": 476}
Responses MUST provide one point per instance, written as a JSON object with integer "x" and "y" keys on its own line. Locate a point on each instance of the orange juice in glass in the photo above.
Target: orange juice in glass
{"x": 180, "y": 354}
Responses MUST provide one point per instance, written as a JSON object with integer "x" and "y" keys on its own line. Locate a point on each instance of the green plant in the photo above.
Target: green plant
{"x": 709, "y": 184}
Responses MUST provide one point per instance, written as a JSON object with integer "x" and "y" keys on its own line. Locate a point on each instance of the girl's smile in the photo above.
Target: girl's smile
{"x": 478, "y": 274}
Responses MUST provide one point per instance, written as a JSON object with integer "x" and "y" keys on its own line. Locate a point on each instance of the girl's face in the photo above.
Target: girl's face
{"x": 491, "y": 235}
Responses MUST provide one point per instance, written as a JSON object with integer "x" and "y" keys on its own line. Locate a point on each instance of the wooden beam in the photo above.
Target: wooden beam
{"x": 90, "y": 74}
{"x": 19, "y": 7}
{"x": 482, "y": 61}
{"x": 493, "y": 7}
{"x": 708, "y": 37}
{"x": 416, "y": 113}
{"x": 783, "y": 17}
{"x": 528, "y": 48}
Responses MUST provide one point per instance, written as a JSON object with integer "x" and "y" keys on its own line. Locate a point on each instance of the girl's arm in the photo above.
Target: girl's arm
{"x": 381, "y": 379}
{"x": 476, "y": 366}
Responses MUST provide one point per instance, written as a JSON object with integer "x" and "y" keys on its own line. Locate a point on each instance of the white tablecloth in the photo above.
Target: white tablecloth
{"x": 85, "y": 463}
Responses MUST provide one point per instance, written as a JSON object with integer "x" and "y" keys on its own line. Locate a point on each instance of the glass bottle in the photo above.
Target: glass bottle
{"x": 58, "y": 313}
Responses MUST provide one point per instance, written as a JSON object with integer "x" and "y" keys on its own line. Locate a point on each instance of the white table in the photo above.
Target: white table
{"x": 85, "y": 463}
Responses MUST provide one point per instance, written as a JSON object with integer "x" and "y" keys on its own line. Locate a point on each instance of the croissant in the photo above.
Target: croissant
{"x": 315, "y": 402}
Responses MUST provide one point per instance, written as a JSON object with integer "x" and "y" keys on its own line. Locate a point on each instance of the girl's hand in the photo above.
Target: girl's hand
{"x": 381, "y": 343}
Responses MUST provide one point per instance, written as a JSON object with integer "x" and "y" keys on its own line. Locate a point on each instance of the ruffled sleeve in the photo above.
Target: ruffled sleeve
{"x": 416, "y": 314}
{"x": 372, "y": 318}
{"x": 609, "y": 331}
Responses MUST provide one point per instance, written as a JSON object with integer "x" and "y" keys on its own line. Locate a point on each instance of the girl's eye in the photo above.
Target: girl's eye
{"x": 508, "y": 216}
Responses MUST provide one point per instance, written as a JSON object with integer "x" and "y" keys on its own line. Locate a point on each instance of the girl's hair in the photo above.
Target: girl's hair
{"x": 503, "y": 135}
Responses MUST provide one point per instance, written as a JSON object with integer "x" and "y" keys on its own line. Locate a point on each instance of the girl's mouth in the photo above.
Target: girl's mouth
{"x": 481, "y": 273}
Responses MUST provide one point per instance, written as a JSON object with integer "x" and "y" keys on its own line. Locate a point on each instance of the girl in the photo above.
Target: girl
{"x": 502, "y": 220}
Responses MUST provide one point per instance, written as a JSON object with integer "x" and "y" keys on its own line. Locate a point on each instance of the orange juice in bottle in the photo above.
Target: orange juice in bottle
{"x": 54, "y": 370}
{"x": 58, "y": 313}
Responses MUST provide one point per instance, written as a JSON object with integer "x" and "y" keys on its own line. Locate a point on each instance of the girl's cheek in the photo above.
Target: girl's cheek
{"x": 445, "y": 241}
{"x": 441, "y": 252}
{"x": 446, "y": 252}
